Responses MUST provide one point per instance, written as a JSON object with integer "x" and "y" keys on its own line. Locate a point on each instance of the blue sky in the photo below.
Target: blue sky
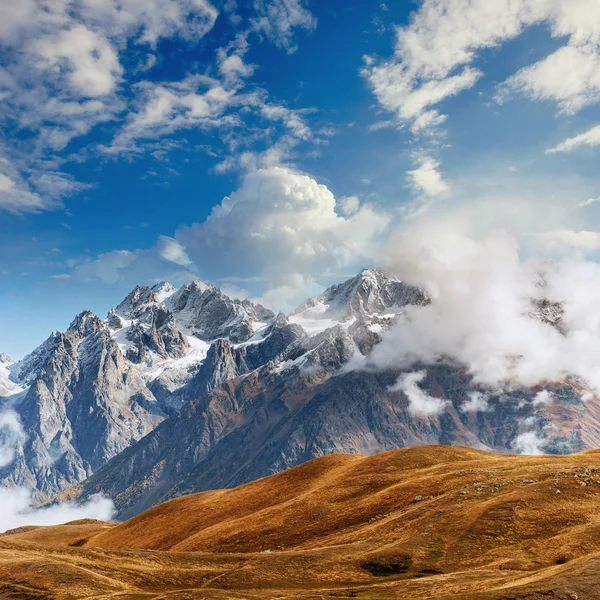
{"x": 315, "y": 129}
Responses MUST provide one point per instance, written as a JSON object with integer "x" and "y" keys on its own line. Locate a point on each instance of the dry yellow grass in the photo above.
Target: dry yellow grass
{"x": 418, "y": 523}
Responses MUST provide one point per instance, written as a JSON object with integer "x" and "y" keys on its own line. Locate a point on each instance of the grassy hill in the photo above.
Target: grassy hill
{"x": 417, "y": 523}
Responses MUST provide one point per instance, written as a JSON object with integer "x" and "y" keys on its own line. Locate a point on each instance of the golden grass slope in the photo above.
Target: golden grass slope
{"x": 418, "y": 523}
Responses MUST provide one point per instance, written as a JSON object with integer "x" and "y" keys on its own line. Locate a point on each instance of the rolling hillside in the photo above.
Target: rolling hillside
{"x": 418, "y": 523}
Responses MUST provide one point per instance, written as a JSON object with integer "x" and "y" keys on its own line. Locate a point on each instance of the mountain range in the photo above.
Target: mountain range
{"x": 183, "y": 390}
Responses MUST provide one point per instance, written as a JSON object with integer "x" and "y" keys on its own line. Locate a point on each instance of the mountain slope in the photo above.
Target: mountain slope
{"x": 242, "y": 393}
{"x": 82, "y": 407}
{"x": 425, "y": 522}
{"x": 268, "y": 421}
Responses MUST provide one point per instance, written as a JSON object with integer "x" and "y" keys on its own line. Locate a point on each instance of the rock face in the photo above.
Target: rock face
{"x": 270, "y": 420}
{"x": 187, "y": 390}
{"x": 207, "y": 313}
{"x": 83, "y": 406}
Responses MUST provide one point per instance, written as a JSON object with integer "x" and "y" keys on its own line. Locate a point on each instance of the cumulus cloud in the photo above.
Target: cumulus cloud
{"x": 281, "y": 223}
{"x": 280, "y": 231}
{"x": 278, "y": 20}
{"x": 420, "y": 403}
{"x": 92, "y": 64}
{"x": 434, "y": 56}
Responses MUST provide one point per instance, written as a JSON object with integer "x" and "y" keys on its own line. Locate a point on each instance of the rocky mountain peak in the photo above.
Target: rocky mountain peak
{"x": 85, "y": 324}
{"x": 163, "y": 290}
{"x": 140, "y": 296}
{"x": 369, "y": 293}
{"x": 5, "y": 359}
{"x": 206, "y": 312}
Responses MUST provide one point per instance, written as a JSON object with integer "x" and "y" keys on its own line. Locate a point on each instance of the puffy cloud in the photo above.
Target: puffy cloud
{"x": 588, "y": 138}
{"x": 420, "y": 403}
{"x": 477, "y": 402}
{"x": 277, "y": 19}
{"x": 278, "y": 223}
{"x": 434, "y": 55}
{"x": 18, "y": 510}
{"x": 93, "y": 67}
{"x": 426, "y": 179}
{"x": 529, "y": 443}
{"x": 484, "y": 312}
{"x": 279, "y": 234}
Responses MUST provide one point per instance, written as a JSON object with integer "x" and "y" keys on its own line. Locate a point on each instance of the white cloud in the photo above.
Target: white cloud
{"x": 420, "y": 403}
{"x": 11, "y": 435}
{"x": 426, "y": 179}
{"x": 196, "y": 101}
{"x": 18, "y": 510}
{"x": 292, "y": 119}
{"x": 588, "y": 202}
{"x": 483, "y": 294}
{"x": 434, "y": 55}
{"x": 589, "y": 138}
{"x": 570, "y": 77}
{"x": 92, "y": 64}
{"x": 16, "y": 502}
{"x": 543, "y": 398}
{"x": 107, "y": 267}
{"x": 477, "y": 402}
{"x": 280, "y": 231}
{"x": 16, "y": 196}
{"x": 278, "y": 223}
{"x": 528, "y": 443}
{"x": 62, "y": 75}
{"x": 562, "y": 241}
{"x": 277, "y": 19}
{"x": 349, "y": 205}
{"x": 171, "y": 250}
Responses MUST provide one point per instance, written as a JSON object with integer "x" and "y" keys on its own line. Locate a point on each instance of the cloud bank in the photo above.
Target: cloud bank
{"x": 18, "y": 507}
{"x": 512, "y": 321}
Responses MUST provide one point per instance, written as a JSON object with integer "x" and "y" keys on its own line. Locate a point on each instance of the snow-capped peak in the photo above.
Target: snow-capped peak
{"x": 7, "y": 387}
{"x": 85, "y": 324}
{"x": 368, "y": 295}
{"x": 163, "y": 290}
{"x": 141, "y": 295}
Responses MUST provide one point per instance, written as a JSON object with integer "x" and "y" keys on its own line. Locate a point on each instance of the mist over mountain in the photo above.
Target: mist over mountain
{"x": 182, "y": 390}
